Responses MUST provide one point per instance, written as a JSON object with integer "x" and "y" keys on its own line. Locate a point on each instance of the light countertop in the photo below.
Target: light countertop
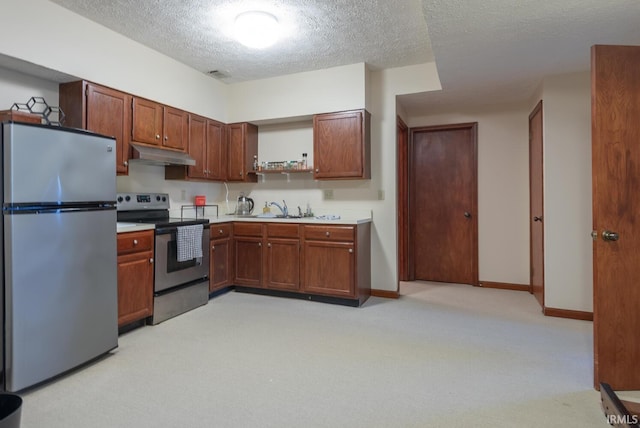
{"x": 304, "y": 220}
{"x": 123, "y": 227}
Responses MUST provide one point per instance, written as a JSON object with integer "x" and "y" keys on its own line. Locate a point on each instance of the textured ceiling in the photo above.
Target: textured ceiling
{"x": 486, "y": 51}
{"x": 317, "y": 33}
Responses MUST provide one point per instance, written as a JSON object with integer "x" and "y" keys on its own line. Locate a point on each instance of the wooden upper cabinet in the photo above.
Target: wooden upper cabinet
{"x": 101, "y": 110}
{"x": 147, "y": 121}
{"x": 207, "y": 145}
{"x": 175, "y": 128}
{"x": 159, "y": 125}
{"x": 197, "y": 146}
{"x": 342, "y": 145}
{"x": 216, "y": 151}
{"x": 243, "y": 146}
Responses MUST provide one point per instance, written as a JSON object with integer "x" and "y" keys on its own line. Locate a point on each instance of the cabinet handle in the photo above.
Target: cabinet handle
{"x": 328, "y": 234}
{"x": 350, "y": 250}
{"x": 166, "y": 138}
{"x": 151, "y": 260}
{"x": 259, "y": 244}
{"x": 125, "y": 163}
{"x": 213, "y": 248}
{"x": 317, "y": 170}
{"x": 220, "y": 232}
{"x": 135, "y": 242}
{"x": 269, "y": 245}
{"x": 241, "y": 174}
{"x": 157, "y": 136}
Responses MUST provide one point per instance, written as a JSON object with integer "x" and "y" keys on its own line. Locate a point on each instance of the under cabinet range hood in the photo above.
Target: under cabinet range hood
{"x": 156, "y": 156}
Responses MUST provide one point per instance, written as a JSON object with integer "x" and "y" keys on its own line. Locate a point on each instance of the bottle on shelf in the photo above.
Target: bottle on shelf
{"x": 304, "y": 161}
{"x": 255, "y": 162}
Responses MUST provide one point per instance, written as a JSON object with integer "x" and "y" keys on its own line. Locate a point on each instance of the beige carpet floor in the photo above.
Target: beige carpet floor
{"x": 440, "y": 356}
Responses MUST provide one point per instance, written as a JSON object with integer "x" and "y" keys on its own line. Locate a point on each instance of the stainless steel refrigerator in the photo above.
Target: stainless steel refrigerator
{"x": 59, "y": 266}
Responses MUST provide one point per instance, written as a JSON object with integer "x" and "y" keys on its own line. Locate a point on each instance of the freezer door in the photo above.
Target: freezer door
{"x": 60, "y": 293}
{"x": 49, "y": 164}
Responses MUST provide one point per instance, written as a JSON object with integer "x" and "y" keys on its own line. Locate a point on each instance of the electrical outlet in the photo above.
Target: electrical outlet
{"x": 381, "y": 195}
{"x": 328, "y": 193}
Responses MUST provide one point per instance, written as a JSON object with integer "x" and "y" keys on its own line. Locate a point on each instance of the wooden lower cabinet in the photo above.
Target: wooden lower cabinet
{"x": 282, "y": 256}
{"x": 220, "y": 257}
{"x": 329, "y": 268}
{"x": 247, "y": 254}
{"x": 321, "y": 260}
{"x": 135, "y": 276}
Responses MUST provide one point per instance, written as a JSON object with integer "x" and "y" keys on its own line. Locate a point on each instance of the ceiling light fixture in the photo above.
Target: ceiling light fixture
{"x": 257, "y": 29}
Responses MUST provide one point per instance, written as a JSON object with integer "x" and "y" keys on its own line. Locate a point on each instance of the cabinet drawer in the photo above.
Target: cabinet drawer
{"x": 281, "y": 230}
{"x": 247, "y": 229}
{"x": 132, "y": 242}
{"x": 218, "y": 231}
{"x": 329, "y": 233}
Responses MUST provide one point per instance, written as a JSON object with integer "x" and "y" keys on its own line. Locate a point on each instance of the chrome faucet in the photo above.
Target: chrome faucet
{"x": 283, "y": 208}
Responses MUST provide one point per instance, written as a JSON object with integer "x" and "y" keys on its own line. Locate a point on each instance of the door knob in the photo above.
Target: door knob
{"x": 610, "y": 236}
{"x": 467, "y": 214}
{"x": 537, "y": 219}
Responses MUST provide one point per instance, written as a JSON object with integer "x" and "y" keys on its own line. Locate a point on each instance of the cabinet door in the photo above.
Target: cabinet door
{"x": 220, "y": 264}
{"x": 243, "y": 146}
{"x": 283, "y": 264}
{"x": 135, "y": 287}
{"x": 175, "y": 128}
{"x": 216, "y": 151}
{"x": 236, "y": 170}
{"x": 248, "y": 261}
{"x": 108, "y": 113}
{"x": 341, "y": 145}
{"x": 329, "y": 268}
{"x": 147, "y": 121}
{"x": 197, "y": 146}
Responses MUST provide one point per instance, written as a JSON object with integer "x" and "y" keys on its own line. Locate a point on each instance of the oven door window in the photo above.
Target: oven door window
{"x": 173, "y": 265}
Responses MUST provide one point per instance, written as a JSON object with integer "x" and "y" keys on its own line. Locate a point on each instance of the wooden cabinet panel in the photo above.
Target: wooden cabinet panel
{"x": 197, "y": 146}
{"x": 283, "y": 264}
{"x": 243, "y": 146}
{"x": 220, "y": 264}
{"x": 248, "y": 260}
{"x": 135, "y": 287}
{"x": 135, "y": 241}
{"x": 282, "y": 230}
{"x": 247, "y": 229}
{"x": 329, "y": 233}
{"x": 342, "y": 145}
{"x": 135, "y": 276}
{"x": 216, "y": 151}
{"x": 101, "y": 110}
{"x": 147, "y": 121}
{"x": 221, "y": 230}
{"x": 175, "y": 128}
{"x": 329, "y": 268}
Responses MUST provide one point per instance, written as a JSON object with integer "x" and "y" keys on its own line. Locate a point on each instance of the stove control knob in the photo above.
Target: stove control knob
{"x": 164, "y": 199}
{"x": 120, "y": 199}
{"x": 127, "y": 198}
{"x": 158, "y": 198}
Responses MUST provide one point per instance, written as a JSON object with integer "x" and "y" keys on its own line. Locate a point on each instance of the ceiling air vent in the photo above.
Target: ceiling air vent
{"x": 217, "y": 74}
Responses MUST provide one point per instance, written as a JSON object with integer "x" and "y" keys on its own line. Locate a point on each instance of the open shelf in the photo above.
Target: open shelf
{"x": 286, "y": 172}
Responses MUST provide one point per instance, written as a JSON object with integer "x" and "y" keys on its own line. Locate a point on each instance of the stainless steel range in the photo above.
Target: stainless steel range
{"x": 179, "y": 284}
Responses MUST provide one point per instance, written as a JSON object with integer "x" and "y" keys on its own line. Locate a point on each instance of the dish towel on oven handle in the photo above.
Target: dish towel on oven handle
{"x": 189, "y": 242}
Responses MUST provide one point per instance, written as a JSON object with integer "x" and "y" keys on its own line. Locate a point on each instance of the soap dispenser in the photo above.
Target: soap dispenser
{"x": 266, "y": 209}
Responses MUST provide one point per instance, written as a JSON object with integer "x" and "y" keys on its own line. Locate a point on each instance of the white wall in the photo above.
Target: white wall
{"x": 350, "y": 196}
{"x": 300, "y": 94}
{"x": 17, "y": 87}
{"x": 567, "y": 192}
{"x": 503, "y": 188}
{"x": 43, "y": 33}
